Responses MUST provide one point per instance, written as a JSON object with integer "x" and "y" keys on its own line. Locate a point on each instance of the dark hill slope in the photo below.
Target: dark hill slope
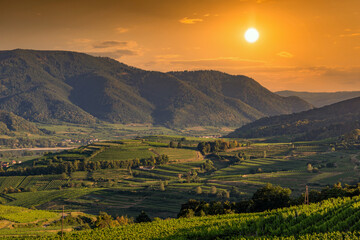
{"x": 320, "y": 99}
{"x": 225, "y": 87}
{"x": 10, "y": 123}
{"x": 329, "y": 121}
{"x": 49, "y": 86}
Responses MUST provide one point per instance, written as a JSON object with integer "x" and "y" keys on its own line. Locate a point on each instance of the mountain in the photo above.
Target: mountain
{"x": 320, "y": 99}
{"x": 10, "y": 123}
{"x": 52, "y": 86}
{"x": 329, "y": 121}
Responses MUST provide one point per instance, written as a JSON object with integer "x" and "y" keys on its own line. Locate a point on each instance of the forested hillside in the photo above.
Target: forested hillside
{"x": 329, "y": 121}
{"x": 53, "y": 86}
{"x": 10, "y": 124}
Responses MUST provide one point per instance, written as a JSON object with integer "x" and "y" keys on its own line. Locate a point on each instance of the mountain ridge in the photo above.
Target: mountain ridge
{"x": 319, "y": 123}
{"x": 52, "y": 86}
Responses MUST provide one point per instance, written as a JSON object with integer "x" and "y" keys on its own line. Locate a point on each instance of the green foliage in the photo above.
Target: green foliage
{"x": 271, "y": 197}
{"x": 216, "y": 146}
{"x": 24, "y": 215}
{"x": 208, "y": 166}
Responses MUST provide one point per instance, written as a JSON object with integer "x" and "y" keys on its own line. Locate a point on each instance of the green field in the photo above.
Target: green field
{"x": 24, "y": 215}
{"x": 124, "y": 191}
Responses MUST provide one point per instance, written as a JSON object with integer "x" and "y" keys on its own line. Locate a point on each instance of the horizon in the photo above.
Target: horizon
{"x": 302, "y": 46}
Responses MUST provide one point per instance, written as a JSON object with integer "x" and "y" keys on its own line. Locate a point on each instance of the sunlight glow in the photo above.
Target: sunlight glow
{"x": 251, "y": 35}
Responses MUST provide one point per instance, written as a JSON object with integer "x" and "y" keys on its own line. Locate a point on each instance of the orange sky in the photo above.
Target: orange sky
{"x": 303, "y": 45}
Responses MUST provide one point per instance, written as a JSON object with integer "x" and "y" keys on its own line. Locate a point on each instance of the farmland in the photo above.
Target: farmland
{"x": 233, "y": 174}
{"x": 161, "y": 191}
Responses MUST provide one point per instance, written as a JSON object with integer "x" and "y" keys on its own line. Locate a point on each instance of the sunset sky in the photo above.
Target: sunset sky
{"x": 303, "y": 45}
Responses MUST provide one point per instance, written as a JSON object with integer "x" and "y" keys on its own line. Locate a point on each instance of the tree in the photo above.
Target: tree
{"x": 179, "y": 145}
{"x": 162, "y": 186}
{"x": 172, "y": 144}
{"x": 188, "y": 177}
{"x": 213, "y": 190}
{"x": 227, "y": 194}
{"x": 124, "y": 220}
{"x": 271, "y": 197}
{"x": 104, "y": 220}
{"x": 309, "y": 168}
{"x": 198, "y": 190}
{"x": 143, "y": 217}
{"x": 188, "y": 213}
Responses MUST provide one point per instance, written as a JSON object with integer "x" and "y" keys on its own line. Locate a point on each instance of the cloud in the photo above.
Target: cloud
{"x": 110, "y": 44}
{"x": 350, "y": 35}
{"x": 115, "y": 54}
{"x": 285, "y": 54}
{"x": 187, "y": 20}
{"x": 109, "y": 48}
{"x": 121, "y": 30}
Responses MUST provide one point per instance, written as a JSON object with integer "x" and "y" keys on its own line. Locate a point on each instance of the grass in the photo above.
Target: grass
{"x": 178, "y": 154}
{"x": 24, "y": 215}
{"x": 121, "y": 153}
{"x": 29, "y": 199}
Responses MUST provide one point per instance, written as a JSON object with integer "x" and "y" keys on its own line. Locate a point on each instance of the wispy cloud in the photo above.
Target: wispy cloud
{"x": 350, "y": 35}
{"x": 115, "y": 54}
{"x": 109, "y": 44}
{"x": 285, "y": 54}
{"x": 121, "y": 30}
{"x": 187, "y": 20}
{"x": 109, "y": 48}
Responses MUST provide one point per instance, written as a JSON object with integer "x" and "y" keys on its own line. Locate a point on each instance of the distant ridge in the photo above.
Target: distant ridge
{"x": 53, "y": 86}
{"x": 329, "y": 121}
{"x": 320, "y": 99}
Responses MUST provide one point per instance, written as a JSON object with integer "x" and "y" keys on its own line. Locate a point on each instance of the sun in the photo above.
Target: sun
{"x": 251, "y": 35}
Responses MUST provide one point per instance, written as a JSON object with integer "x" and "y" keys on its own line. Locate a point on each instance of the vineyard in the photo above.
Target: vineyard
{"x": 330, "y": 219}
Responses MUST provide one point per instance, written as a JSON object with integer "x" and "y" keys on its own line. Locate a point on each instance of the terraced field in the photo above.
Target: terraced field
{"x": 283, "y": 164}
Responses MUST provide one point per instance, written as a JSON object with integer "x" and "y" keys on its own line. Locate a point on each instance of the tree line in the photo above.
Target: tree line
{"x": 266, "y": 198}
{"x": 59, "y": 166}
{"x": 217, "y": 146}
